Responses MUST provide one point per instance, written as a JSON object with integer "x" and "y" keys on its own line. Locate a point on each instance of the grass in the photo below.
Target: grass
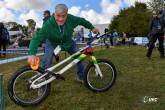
{"x": 137, "y": 77}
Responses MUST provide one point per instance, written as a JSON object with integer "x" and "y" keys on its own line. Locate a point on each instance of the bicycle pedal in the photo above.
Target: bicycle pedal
{"x": 58, "y": 76}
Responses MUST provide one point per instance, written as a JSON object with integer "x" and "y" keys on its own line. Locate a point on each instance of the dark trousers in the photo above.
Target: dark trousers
{"x": 111, "y": 41}
{"x": 123, "y": 41}
{"x": 3, "y": 44}
{"x": 153, "y": 39}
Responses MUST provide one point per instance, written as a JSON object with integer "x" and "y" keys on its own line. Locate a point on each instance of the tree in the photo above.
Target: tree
{"x": 14, "y": 26}
{"x": 133, "y": 20}
{"x": 155, "y": 5}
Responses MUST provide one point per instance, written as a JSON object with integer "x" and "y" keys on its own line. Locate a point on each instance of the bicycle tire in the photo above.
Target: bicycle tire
{"x": 96, "y": 83}
{"x": 20, "y": 79}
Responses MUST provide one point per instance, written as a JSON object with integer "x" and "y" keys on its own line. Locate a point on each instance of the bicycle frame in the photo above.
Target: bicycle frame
{"x": 78, "y": 56}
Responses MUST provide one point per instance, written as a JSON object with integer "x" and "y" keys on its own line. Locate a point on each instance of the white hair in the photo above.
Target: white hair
{"x": 61, "y": 8}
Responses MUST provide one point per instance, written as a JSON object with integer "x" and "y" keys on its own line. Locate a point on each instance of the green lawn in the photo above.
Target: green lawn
{"x": 137, "y": 78}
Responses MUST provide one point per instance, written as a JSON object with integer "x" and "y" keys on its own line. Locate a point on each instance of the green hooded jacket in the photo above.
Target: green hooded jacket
{"x": 50, "y": 30}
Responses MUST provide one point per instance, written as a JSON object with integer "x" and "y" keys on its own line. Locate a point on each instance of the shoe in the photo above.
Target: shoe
{"x": 161, "y": 57}
{"x": 3, "y": 56}
{"x": 80, "y": 81}
{"x": 148, "y": 57}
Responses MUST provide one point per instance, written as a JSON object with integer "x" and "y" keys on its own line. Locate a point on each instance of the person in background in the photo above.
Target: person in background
{"x": 157, "y": 28}
{"x": 124, "y": 37}
{"x": 4, "y": 38}
{"x": 111, "y": 38}
{"x": 78, "y": 37}
{"x": 46, "y": 17}
{"x": 115, "y": 35}
{"x": 89, "y": 35}
{"x": 58, "y": 31}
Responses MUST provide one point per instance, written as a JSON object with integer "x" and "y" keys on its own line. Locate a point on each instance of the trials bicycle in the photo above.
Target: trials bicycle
{"x": 25, "y": 83}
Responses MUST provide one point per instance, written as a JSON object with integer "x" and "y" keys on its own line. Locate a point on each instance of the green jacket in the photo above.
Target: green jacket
{"x": 50, "y": 30}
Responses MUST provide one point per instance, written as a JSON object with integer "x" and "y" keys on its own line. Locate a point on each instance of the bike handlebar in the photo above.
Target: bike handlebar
{"x": 96, "y": 37}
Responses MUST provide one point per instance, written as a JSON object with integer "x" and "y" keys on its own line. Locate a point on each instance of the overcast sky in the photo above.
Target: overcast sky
{"x": 96, "y": 11}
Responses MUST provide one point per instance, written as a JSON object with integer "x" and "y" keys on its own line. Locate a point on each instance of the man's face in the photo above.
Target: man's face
{"x": 60, "y": 17}
{"x": 46, "y": 14}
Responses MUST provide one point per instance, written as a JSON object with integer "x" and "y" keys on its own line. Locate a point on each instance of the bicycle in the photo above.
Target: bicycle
{"x": 25, "y": 83}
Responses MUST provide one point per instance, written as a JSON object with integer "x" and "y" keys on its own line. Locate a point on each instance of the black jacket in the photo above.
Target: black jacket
{"x": 45, "y": 19}
{"x": 154, "y": 26}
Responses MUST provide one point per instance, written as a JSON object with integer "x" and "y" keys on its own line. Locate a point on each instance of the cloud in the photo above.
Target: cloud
{"x": 75, "y": 10}
{"x": 31, "y": 15}
{"x": 6, "y": 15}
{"x": 110, "y": 8}
{"x": 21, "y": 10}
{"x": 21, "y": 5}
{"x": 98, "y": 18}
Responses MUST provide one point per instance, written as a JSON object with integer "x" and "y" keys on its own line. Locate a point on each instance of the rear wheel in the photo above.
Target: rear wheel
{"x": 19, "y": 87}
{"x": 96, "y": 83}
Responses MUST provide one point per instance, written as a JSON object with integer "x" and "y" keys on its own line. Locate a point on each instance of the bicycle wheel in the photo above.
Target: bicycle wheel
{"x": 19, "y": 87}
{"x": 96, "y": 83}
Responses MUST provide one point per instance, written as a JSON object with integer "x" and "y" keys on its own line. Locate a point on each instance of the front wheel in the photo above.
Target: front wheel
{"x": 19, "y": 87}
{"x": 94, "y": 81}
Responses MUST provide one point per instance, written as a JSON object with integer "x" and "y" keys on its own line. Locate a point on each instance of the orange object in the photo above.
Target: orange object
{"x": 35, "y": 67}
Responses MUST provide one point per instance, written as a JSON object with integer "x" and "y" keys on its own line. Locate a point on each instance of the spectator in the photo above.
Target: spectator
{"x": 46, "y": 17}
{"x": 89, "y": 35}
{"x": 78, "y": 37}
{"x": 4, "y": 38}
{"x": 157, "y": 28}
{"x": 115, "y": 35}
{"x": 58, "y": 30}
{"x": 111, "y": 38}
{"x": 124, "y": 37}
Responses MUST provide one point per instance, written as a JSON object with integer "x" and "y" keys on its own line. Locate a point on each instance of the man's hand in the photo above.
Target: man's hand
{"x": 95, "y": 30}
{"x": 33, "y": 60}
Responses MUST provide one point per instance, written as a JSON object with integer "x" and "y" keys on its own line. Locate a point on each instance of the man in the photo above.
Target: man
{"x": 124, "y": 38}
{"x": 157, "y": 28}
{"x": 58, "y": 30}
{"x": 4, "y": 38}
{"x": 46, "y": 17}
{"x": 115, "y": 35}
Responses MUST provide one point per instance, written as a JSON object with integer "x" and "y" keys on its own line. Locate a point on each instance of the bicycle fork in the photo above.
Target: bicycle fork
{"x": 97, "y": 68}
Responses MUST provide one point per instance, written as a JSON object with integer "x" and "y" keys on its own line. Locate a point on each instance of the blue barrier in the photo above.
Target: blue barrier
{"x": 17, "y": 59}
{"x": 21, "y": 53}
{"x": 40, "y": 48}
{"x": 1, "y": 93}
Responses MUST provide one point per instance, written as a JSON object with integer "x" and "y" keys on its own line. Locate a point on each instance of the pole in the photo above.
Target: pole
{"x": 1, "y": 93}
{"x": 65, "y": 54}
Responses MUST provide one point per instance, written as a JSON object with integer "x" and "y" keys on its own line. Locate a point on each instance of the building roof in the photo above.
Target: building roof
{"x": 101, "y": 28}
